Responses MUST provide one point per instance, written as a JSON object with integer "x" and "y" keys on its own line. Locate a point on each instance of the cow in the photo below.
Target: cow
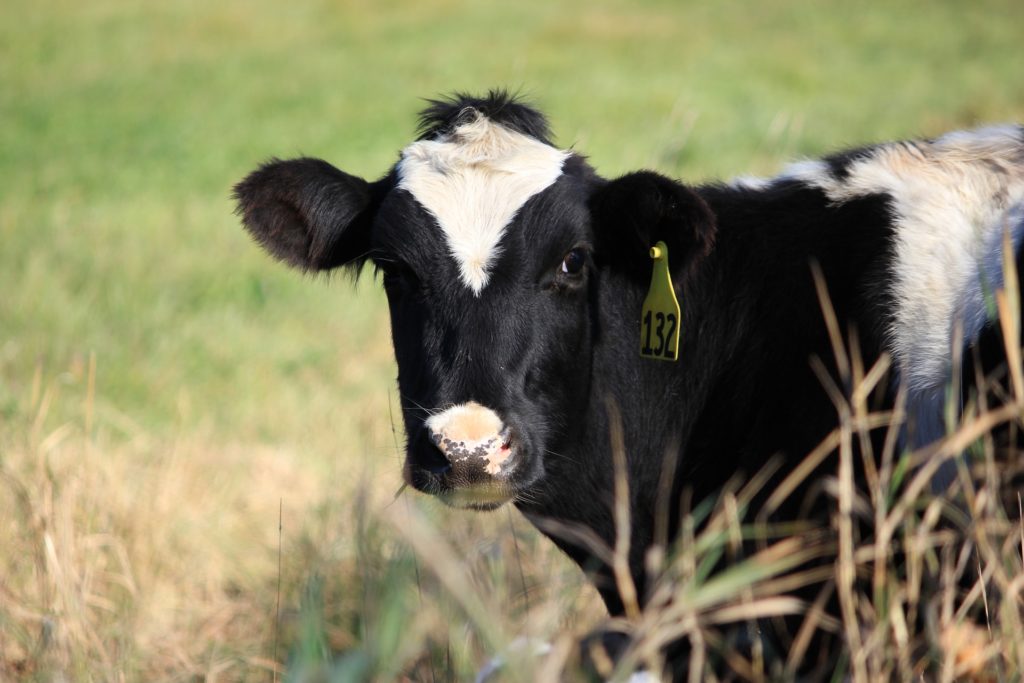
{"x": 516, "y": 278}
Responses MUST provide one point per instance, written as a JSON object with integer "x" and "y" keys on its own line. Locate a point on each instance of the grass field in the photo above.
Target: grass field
{"x": 197, "y": 451}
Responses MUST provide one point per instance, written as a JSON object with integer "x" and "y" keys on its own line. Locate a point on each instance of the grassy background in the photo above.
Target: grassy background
{"x": 166, "y": 390}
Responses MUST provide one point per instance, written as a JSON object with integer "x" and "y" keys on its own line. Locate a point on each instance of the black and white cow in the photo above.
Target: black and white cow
{"x": 515, "y": 276}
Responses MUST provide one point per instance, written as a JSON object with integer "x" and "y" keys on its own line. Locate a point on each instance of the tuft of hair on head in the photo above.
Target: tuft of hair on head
{"x": 442, "y": 116}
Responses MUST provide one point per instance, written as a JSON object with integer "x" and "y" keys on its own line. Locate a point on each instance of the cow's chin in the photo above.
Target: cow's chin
{"x": 483, "y": 497}
{"x": 481, "y": 494}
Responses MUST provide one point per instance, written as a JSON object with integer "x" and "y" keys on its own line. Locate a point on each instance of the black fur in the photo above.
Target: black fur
{"x": 550, "y": 352}
{"x": 638, "y": 210}
{"x": 839, "y": 164}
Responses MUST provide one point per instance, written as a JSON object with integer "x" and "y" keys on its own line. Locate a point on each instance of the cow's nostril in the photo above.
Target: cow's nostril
{"x": 439, "y": 468}
{"x": 433, "y": 459}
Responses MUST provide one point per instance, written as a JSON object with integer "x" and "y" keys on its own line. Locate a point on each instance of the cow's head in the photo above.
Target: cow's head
{"x": 492, "y": 243}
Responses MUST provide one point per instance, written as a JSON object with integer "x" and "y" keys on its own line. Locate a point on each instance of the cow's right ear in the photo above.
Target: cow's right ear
{"x": 632, "y": 213}
{"x": 308, "y": 213}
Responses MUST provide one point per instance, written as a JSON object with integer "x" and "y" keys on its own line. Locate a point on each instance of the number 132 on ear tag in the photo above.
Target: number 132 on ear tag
{"x": 659, "y": 321}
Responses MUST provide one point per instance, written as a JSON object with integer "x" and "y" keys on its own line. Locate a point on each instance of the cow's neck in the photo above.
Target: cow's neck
{"x": 751, "y": 322}
{"x": 657, "y": 404}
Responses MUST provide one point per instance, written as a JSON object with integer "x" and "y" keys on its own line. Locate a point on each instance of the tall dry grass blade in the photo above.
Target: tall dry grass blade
{"x": 1008, "y": 304}
{"x": 415, "y": 561}
{"x": 831, "y": 322}
{"x": 845, "y": 564}
{"x": 1020, "y": 517}
{"x": 519, "y": 566}
{"x": 577, "y": 534}
{"x": 757, "y": 482}
{"x": 933, "y": 457}
{"x": 800, "y": 474}
{"x": 888, "y": 471}
{"x": 48, "y": 397}
{"x": 954, "y": 407}
{"x": 811, "y": 623}
{"x": 947, "y": 596}
{"x": 655, "y": 559}
{"x": 698, "y": 655}
{"x": 760, "y": 608}
{"x": 90, "y": 395}
{"x": 277, "y": 608}
{"x": 859, "y": 409}
{"x": 621, "y": 515}
{"x": 1010, "y": 324}
{"x": 864, "y": 385}
{"x": 55, "y": 438}
{"x": 735, "y": 535}
{"x": 982, "y": 580}
{"x": 439, "y": 556}
{"x": 863, "y": 389}
{"x": 552, "y": 668}
{"x": 833, "y": 390}
{"x": 784, "y": 555}
{"x": 881, "y": 498}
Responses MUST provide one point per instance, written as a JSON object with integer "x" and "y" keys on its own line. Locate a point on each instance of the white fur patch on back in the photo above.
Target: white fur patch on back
{"x": 474, "y": 180}
{"x": 953, "y": 198}
{"x": 749, "y": 182}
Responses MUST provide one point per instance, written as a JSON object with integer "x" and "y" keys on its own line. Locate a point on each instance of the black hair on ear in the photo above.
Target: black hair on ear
{"x": 634, "y": 212}
{"x": 308, "y": 213}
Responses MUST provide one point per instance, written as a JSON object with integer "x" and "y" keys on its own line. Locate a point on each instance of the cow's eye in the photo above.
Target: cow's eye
{"x": 574, "y": 261}
{"x": 399, "y": 277}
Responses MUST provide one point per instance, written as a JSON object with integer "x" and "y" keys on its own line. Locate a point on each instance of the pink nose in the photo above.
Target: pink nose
{"x": 471, "y": 437}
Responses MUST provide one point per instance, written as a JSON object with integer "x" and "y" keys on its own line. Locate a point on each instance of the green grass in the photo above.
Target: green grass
{"x": 237, "y": 385}
{"x": 124, "y": 128}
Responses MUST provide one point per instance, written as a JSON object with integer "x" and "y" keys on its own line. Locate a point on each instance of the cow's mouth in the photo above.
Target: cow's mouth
{"x": 487, "y": 496}
{"x": 468, "y": 478}
{"x": 480, "y": 494}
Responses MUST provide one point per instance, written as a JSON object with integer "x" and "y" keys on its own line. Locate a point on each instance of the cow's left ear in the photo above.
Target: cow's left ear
{"x": 632, "y": 213}
{"x": 308, "y": 213}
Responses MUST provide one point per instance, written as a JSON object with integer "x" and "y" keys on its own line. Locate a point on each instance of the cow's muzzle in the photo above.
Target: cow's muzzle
{"x": 479, "y": 457}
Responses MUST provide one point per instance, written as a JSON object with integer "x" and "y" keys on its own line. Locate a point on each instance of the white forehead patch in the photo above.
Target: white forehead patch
{"x": 474, "y": 180}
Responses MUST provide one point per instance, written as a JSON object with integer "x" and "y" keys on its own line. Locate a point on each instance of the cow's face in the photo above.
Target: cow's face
{"x": 491, "y": 243}
{"x": 486, "y": 249}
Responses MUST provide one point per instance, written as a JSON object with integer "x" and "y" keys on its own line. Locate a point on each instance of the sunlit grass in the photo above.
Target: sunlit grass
{"x": 149, "y": 559}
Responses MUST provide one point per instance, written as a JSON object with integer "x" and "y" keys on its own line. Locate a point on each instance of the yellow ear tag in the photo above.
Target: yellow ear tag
{"x": 659, "y": 321}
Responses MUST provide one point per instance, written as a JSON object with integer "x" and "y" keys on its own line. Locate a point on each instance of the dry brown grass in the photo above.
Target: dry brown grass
{"x": 139, "y": 559}
{"x": 127, "y": 556}
{"x": 136, "y": 558}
